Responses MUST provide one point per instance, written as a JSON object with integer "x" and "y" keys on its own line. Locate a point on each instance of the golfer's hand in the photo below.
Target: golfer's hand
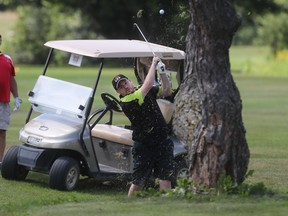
{"x": 17, "y": 102}
{"x": 155, "y": 60}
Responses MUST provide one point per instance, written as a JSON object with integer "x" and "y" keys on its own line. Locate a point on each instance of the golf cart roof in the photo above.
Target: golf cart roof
{"x": 116, "y": 48}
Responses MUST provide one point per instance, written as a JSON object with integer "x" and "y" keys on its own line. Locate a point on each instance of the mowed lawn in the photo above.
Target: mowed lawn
{"x": 265, "y": 115}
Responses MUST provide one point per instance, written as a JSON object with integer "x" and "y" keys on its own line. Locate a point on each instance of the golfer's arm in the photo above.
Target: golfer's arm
{"x": 149, "y": 80}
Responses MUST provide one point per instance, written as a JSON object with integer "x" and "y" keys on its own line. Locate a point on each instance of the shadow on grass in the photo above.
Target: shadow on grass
{"x": 90, "y": 185}
{"x": 85, "y": 185}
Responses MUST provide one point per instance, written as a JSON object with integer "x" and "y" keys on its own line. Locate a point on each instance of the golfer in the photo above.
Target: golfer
{"x": 152, "y": 149}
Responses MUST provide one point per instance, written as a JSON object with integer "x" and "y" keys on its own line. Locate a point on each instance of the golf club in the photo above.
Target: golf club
{"x": 161, "y": 66}
{"x": 135, "y": 24}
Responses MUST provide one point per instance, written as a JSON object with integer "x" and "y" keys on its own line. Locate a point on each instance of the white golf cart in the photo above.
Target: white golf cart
{"x": 64, "y": 138}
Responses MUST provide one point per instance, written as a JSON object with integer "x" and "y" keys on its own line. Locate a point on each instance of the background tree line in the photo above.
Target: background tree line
{"x": 263, "y": 23}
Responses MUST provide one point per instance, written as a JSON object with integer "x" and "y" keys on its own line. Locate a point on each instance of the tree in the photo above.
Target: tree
{"x": 208, "y": 105}
{"x": 250, "y": 11}
{"x": 95, "y": 19}
{"x": 273, "y": 31}
{"x": 115, "y": 18}
{"x": 32, "y": 33}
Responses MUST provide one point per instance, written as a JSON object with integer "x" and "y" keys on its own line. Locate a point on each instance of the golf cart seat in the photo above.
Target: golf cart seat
{"x": 124, "y": 136}
{"x": 167, "y": 108}
{"x": 113, "y": 133}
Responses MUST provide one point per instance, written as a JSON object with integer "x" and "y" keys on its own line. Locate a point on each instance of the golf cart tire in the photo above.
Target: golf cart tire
{"x": 10, "y": 168}
{"x": 64, "y": 174}
{"x": 181, "y": 170}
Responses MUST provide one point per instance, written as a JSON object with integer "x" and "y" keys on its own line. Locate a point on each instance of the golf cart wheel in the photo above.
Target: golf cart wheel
{"x": 181, "y": 170}
{"x": 64, "y": 174}
{"x": 10, "y": 168}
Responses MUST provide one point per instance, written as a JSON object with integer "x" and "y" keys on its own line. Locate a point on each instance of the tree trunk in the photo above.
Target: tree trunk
{"x": 208, "y": 113}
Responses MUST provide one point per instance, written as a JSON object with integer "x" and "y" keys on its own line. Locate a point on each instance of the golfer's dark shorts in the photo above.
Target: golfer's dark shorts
{"x": 157, "y": 158}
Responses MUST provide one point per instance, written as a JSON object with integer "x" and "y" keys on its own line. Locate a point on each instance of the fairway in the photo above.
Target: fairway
{"x": 265, "y": 114}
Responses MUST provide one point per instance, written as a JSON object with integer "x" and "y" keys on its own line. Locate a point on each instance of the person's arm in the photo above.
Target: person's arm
{"x": 14, "y": 88}
{"x": 166, "y": 86}
{"x": 14, "y": 91}
{"x": 149, "y": 80}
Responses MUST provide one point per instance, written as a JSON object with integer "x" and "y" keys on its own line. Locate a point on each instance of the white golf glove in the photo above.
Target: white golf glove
{"x": 160, "y": 67}
{"x": 17, "y": 102}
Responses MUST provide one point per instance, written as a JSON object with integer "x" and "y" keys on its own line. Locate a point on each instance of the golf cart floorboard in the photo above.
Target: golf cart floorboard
{"x": 109, "y": 169}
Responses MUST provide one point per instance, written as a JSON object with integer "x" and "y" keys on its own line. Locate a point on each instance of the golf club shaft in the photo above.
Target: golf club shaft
{"x": 144, "y": 39}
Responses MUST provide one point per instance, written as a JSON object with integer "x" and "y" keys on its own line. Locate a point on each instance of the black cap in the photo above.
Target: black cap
{"x": 117, "y": 79}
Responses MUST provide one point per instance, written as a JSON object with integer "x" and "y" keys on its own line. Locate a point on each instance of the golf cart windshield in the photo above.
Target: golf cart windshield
{"x": 51, "y": 95}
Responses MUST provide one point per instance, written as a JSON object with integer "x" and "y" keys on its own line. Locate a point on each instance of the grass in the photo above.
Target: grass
{"x": 253, "y": 60}
{"x": 265, "y": 116}
{"x": 160, "y": 206}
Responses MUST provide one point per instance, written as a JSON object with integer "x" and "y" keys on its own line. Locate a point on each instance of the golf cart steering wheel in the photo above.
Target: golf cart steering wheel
{"x": 111, "y": 102}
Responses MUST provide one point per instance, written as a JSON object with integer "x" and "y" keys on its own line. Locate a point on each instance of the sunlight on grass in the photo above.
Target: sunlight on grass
{"x": 253, "y": 60}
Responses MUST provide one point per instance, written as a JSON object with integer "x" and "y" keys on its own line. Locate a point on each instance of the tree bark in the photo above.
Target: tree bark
{"x": 208, "y": 114}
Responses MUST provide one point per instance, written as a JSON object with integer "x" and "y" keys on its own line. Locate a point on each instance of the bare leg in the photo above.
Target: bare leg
{"x": 133, "y": 188}
{"x": 165, "y": 184}
{"x": 2, "y": 143}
